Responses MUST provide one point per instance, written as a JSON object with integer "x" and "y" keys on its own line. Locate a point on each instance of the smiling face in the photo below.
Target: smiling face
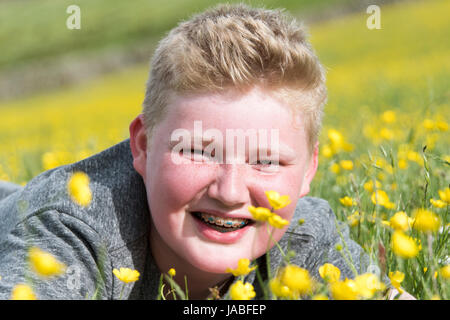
{"x": 184, "y": 192}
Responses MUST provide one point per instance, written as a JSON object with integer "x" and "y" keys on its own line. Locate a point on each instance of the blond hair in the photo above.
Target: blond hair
{"x": 237, "y": 47}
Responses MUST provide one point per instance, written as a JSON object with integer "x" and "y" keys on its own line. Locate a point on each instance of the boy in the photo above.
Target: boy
{"x": 161, "y": 202}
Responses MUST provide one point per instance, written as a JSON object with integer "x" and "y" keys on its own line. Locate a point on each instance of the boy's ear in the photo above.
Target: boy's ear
{"x": 138, "y": 144}
{"x": 310, "y": 171}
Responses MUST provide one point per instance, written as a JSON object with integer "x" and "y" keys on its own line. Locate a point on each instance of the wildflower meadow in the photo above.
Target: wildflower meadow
{"x": 384, "y": 152}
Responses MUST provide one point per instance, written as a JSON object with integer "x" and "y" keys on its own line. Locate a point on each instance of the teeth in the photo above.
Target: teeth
{"x": 228, "y": 222}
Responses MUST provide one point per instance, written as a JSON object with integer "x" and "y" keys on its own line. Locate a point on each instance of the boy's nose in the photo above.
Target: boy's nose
{"x": 229, "y": 186}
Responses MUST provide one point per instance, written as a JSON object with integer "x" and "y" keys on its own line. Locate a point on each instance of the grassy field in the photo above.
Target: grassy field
{"x": 33, "y": 30}
{"x": 386, "y": 128}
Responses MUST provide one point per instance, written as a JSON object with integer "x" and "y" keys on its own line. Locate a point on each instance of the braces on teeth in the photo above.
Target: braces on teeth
{"x": 230, "y": 223}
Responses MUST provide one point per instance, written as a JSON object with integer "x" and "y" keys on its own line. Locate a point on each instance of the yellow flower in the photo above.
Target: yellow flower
{"x": 441, "y": 125}
{"x": 396, "y": 279}
{"x": 347, "y": 201}
{"x": 414, "y": 156}
{"x": 368, "y": 284}
{"x": 296, "y": 279}
{"x": 428, "y": 124}
{"x": 335, "y": 168}
{"x": 388, "y": 116}
{"x": 344, "y": 290}
{"x": 126, "y": 275}
{"x": 172, "y": 272}
{"x": 426, "y": 221}
{"x": 260, "y": 213}
{"x": 404, "y": 246}
{"x": 402, "y": 164}
{"x": 329, "y": 272}
{"x": 320, "y": 297}
{"x": 242, "y": 269}
{"x": 400, "y": 221}
{"x": 346, "y": 164}
{"x": 354, "y": 219}
{"x": 79, "y": 190}
{"x": 276, "y": 200}
{"x": 438, "y": 203}
{"x": 385, "y": 223}
{"x": 327, "y": 151}
{"x": 277, "y": 221}
{"x": 381, "y": 198}
{"x": 44, "y": 264}
{"x": 445, "y": 195}
{"x": 386, "y": 134}
{"x": 279, "y": 289}
{"x": 241, "y": 291}
{"x": 336, "y": 138}
{"x": 22, "y": 292}
{"x": 445, "y": 271}
{"x": 369, "y": 185}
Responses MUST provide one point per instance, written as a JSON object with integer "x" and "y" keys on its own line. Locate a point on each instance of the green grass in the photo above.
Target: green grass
{"x": 31, "y": 30}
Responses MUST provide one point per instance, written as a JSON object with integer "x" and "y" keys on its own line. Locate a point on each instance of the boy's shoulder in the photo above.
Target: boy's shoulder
{"x": 314, "y": 217}
{"x": 118, "y": 197}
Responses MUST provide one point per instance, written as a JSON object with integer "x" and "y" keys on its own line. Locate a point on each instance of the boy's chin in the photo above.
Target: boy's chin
{"x": 219, "y": 261}
{"x": 216, "y": 265}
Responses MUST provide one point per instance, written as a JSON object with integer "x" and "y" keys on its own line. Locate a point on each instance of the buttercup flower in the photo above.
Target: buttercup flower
{"x": 368, "y": 284}
{"x": 438, "y": 203}
{"x": 369, "y": 185}
{"x": 404, "y": 246}
{"x": 280, "y": 289}
{"x": 388, "y": 116}
{"x": 445, "y": 195}
{"x": 335, "y": 168}
{"x": 276, "y": 200}
{"x": 22, "y": 292}
{"x": 396, "y": 279}
{"x": 354, "y": 219}
{"x": 260, "y": 213}
{"x": 329, "y": 272}
{"x": 296, "y": 279}
{"x": 172, "y": 272}
{"x": 126, "y": 275}
{"x": 400, "y": 221}
{"x": 44, "y": 264}
{"x": 277, "y": 221}
{"x": 445, "y": 271}
{"x": 346, "y": 164}
{"x": 79, "y": 190}
{"x": 347, "y": 201}
{"x": 344, "y": 290}
{"x": 381, "y": 198}
{"x": 242, "y": 269}
{"x": 241, "y": 291}
{"x": 426, "y": 221}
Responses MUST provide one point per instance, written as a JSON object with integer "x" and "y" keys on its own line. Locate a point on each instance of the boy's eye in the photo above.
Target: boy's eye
{"x": 195, "y": 154}
{"x": 266, "y": 165}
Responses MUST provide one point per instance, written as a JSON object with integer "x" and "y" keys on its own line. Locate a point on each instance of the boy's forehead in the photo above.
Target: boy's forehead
{"x": 255, "y": 107}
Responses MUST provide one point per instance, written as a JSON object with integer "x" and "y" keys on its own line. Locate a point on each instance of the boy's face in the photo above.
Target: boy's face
{"x": 179, "y": 185}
